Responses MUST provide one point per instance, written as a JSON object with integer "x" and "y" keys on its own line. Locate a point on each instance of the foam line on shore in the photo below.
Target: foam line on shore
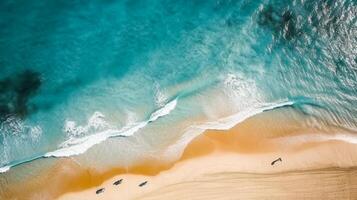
{"x": 76, "y": 146}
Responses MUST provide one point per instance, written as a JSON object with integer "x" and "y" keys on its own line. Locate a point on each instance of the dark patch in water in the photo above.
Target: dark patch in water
{"x": 282, "y": 23}
{"x": 15, "y": 93}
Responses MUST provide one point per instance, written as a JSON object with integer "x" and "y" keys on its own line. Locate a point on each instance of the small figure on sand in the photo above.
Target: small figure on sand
{"x": 142, "y": 184}
{"x": 101, "y": 190}
{"x": 279, "y": 159}
{"x": 118, "y": 182}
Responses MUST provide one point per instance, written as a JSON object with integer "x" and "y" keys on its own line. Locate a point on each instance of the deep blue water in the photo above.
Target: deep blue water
{"x": 70, "y": 70}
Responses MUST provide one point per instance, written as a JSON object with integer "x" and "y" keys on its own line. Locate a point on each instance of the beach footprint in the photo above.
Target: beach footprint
{"x": 143, "y": 183}
{"x": 277, "y": 160}
{"x": 101, "y": 190}
{"x": 118, "y": 182}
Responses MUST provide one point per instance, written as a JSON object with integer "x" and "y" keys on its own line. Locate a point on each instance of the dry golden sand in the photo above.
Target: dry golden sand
{"x": 223, "y": 175}
{"x": 234, "y": 164}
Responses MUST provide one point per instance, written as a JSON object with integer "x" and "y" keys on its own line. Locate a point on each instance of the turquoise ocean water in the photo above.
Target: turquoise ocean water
{"x": 111, "y": 82}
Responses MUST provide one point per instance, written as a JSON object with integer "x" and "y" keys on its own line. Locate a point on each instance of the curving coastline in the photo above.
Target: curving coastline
{"x": 241, "y": 149}
{"x": 80, "y": 145}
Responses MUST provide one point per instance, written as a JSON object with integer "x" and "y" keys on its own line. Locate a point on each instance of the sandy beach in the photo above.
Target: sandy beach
{"x": 178, "y": 100}
{"x": 235, "y": 176}
{"x": 234, "y": 165}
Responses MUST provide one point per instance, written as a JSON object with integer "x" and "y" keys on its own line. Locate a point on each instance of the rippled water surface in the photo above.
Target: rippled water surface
{"x": 128, "y": 77}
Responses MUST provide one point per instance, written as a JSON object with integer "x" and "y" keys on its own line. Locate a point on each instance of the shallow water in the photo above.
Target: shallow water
{"x": 77, "y": 77}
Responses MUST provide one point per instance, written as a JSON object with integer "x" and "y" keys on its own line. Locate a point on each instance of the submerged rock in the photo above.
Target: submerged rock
{"x": 282, "y": 22}
{"x": 15, "y": 93}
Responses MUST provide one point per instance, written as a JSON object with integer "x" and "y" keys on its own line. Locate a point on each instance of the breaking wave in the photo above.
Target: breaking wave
{"x": 76, "y": 146}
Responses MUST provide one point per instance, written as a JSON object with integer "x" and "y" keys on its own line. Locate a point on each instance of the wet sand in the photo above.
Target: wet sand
{"x": 233, "y": 164}
{"x": 304, "y": 174}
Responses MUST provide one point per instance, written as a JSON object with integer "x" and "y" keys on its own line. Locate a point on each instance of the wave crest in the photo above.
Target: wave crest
{"x": 79, "y": 145}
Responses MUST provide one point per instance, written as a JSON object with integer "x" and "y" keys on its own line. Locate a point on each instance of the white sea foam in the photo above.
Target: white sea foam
{"x": 35, "y": 132}
{"x": 224, "y": 123}
{"x": 5, "y": 169}
{"x": 241, "y": 89}
{"x": 16, "y": 134}
{"x": 230, "y": 121}
{"x": 79, "y": 145}
{"x": 317, "y": 137}
{"x": 76, "y": 146}
{"x": 160, "y": 98}
{"x": 346, "y": 138}
{"x": 163, "y": 111}
{"x": 95, "y": 123}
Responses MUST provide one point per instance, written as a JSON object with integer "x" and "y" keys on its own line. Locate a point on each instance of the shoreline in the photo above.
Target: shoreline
{"x": 190, "y": 174}
{"x": 247, "y": 148}
{"x": 232, "y": 152}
